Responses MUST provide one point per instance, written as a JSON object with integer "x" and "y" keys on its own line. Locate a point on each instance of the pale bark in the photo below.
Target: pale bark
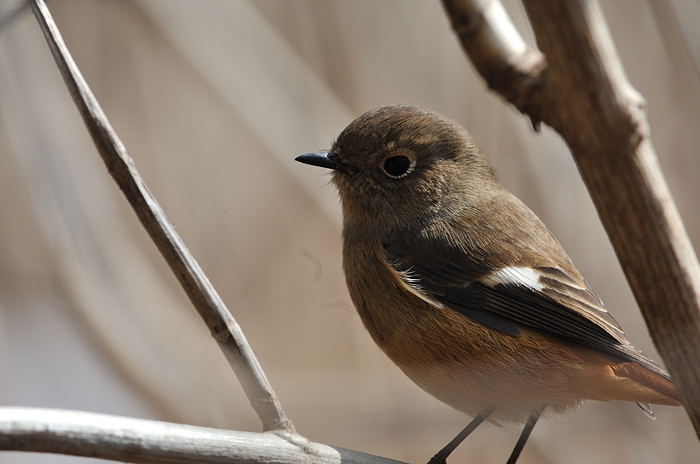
{"x": 145, "y": 441}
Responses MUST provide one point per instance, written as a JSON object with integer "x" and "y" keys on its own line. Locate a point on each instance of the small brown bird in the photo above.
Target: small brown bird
{"x": 464, "y": 288}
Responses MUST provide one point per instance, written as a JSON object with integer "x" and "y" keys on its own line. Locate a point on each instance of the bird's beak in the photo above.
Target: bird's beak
{"x": 324, "y": 159}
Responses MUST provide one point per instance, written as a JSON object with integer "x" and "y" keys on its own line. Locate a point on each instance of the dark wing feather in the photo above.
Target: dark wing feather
{"x": 474, "y": 302}
{"x": 561, "y": 304}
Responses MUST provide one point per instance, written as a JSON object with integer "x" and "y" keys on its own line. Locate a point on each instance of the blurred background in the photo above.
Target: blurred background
{"x": 213, "y": 99}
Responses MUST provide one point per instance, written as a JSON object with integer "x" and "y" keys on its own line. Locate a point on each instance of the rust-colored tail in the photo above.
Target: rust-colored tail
{"x": 606, "y": 379}
{"x": 655, "y": 388}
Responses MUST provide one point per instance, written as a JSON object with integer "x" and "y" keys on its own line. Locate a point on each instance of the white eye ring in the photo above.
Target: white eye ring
{"x": 398, "y": 165}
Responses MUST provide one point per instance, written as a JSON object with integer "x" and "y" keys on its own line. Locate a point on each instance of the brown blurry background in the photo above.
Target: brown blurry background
{"x": 213, "y": 99}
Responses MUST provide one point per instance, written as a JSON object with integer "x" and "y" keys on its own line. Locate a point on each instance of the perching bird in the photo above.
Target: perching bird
{"x": 464, "y": 288}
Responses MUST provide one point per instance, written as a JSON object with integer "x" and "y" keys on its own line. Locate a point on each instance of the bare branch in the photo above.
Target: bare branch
{"x": 206, "y": 300}
{"x": 145, "y": 441}
{"x": 584, "y": 94}
{"x": 497, "y": 50}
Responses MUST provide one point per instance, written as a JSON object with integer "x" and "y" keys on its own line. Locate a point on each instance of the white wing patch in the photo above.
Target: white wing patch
{"x": 514, "y": 275}
{"x": 408, "y": 280}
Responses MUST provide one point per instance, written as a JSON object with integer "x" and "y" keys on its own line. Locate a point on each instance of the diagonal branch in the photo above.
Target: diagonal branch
{"x": 144, "y": 441}
{"x": 584, "y": 95}
{"x": 204, "y": 297}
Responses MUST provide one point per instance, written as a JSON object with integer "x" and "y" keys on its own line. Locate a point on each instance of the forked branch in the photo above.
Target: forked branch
{"x": 497, "y": 50}
{"x": 584, "y": 95}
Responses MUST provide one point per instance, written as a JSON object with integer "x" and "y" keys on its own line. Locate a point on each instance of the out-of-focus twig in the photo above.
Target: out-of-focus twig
{"x": 8, "y": 17}
{"x": 681, "y": 42}
{"x": 228, "y": 28}
{"x": 585, "y": 96}
{"x": 206, "y": 300}
{"x": 145, "y": 441}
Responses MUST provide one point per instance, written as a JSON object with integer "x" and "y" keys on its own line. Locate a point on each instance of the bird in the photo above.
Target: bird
{"x": 463, "y": 286}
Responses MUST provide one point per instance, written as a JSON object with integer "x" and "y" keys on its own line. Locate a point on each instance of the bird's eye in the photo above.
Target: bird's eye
{"x": 398, "y": 166}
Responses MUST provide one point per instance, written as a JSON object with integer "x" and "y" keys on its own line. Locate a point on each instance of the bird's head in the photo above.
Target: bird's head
{"x": 398, "y": 165}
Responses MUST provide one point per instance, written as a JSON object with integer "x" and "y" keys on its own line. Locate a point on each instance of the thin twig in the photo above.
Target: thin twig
{"x": 145, "y": 441}
{"x": 585, "y": 96}
{"x": 206, "y": 300}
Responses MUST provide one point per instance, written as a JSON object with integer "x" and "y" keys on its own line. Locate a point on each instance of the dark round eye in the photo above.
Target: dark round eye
{"x": 398, "y": 166}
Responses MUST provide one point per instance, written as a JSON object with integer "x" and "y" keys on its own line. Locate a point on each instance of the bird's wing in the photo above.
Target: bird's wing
{"x": 508, "y": 296}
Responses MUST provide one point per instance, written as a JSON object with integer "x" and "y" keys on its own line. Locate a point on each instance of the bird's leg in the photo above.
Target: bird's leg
{"x": 529, "y": 425}
{"x": 441, "y": 456}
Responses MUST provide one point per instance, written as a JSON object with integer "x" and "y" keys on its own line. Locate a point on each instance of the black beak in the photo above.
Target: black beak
{"x": 324, "y": 159}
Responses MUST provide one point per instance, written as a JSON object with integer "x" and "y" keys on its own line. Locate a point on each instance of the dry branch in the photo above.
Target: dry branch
{"x": 497, "y": 50}
{"x": 584, "y": 95}
{"x": 145, "y": 441}
{"x": 206, "y": 300}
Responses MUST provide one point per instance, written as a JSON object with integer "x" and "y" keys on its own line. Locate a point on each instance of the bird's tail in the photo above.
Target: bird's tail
{"x": 642, "y": 385}
{"x": 637, "y": 379}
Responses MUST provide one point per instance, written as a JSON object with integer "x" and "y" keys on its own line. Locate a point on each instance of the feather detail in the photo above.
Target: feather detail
{"x": 550, "y": 299}
{"x": 515, "y": 275}
{"x": 558, "y": 285}
{"x": 666, "y": 391}
{"x": 407, "y": 279}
